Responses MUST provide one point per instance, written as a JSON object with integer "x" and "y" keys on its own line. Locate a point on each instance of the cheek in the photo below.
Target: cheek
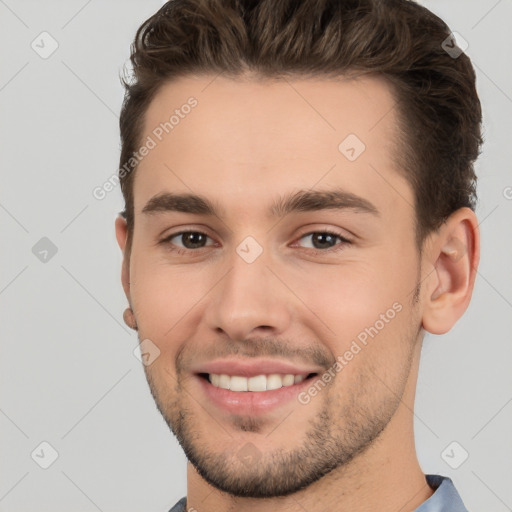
{"x": 163, "y": 296}
{"x": 373, "y": 365}
{"x": 366, "y": 307}
{"x": 352, "y": 297}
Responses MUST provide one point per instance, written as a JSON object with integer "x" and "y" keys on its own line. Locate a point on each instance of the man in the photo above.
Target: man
{"x": 299, "y": 188}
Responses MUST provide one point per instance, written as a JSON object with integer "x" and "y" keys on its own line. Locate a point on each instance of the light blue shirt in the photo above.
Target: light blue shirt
{"x": 445, "y": 497}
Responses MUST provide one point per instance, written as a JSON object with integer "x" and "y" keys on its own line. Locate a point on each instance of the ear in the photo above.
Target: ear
{"x": 121, "y": 236}
{"x": 452, "y": 259}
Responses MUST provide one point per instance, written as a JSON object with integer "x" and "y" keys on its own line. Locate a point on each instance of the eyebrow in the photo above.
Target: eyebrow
{"x": 301, "y": 201}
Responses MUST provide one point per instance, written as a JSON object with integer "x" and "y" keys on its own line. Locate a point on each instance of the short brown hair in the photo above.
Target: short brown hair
{"x": 439, "y": 113}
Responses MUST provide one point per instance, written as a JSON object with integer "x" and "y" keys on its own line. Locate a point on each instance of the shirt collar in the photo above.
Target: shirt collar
{"x": 445, "y": 497}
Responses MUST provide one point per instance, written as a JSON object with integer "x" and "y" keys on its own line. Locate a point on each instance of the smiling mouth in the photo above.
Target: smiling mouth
{"x": 257, "y": 383}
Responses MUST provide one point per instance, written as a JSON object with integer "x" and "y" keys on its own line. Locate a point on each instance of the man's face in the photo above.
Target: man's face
{"x": 260, "y": 286}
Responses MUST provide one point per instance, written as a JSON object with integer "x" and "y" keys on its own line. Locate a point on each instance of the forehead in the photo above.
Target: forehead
{"x": 238, "y": 138}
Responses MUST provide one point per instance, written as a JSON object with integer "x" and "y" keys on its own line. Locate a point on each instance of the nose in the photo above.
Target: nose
{"x": 249, "y": 300}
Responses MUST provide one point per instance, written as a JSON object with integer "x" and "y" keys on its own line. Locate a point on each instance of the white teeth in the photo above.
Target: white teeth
{"x": 238, "y": 383}
{"x": 288, "y": 380}
{"x": 274, "y": 381}
{"x": 256, "y": 383}
{"x": 223, "y": 381}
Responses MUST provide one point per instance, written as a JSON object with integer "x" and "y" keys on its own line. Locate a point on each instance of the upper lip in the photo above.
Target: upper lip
{"x": 251, "y": 367}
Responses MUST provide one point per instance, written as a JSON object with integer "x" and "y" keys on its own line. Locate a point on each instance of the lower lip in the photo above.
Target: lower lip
{"x": 252, "y": 402}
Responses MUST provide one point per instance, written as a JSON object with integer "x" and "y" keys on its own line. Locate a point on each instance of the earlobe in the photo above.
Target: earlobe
{"x": 454, "y": 256}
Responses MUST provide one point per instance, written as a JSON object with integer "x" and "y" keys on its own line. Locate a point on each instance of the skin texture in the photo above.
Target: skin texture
{"x": 351, "y": 447}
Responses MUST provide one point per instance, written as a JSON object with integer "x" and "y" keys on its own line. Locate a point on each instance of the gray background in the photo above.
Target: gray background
{"x": 68, "y": 373}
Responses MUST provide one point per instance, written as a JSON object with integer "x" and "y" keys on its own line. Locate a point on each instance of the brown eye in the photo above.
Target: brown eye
{"x": 325, "y": 240}
{"x": 193, "y": 239}
{"x": 190, "y": 240}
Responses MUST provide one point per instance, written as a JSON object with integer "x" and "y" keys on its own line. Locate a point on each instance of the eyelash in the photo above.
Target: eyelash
{"x": 182, "y": 251}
